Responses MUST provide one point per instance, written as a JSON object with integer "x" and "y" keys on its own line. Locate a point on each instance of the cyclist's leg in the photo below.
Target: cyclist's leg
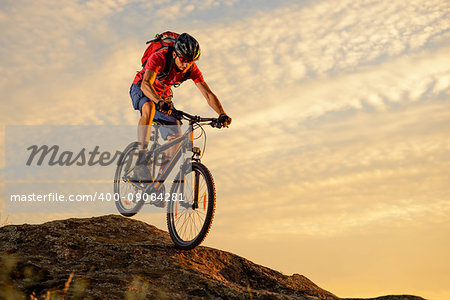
{"x": 144, "y": 130}
{"x": 169, "y": 131}
{"x": 147, "y": 109}
{"x": 171, "y": 126}
{"x": 169, "y": 153}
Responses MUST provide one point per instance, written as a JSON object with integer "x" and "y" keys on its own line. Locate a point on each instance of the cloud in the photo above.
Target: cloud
{"x": 325, "y": 37}
{"x": 259, "y": 58}
{"x": 348, "y": 153}
{"x": 340, "y": 109}
{"x": 339, "y": 176}
{"x": 278, "y": 78}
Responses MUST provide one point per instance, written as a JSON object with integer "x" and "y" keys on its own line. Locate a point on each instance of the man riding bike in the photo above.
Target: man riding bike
{"x": 152, "y": 95}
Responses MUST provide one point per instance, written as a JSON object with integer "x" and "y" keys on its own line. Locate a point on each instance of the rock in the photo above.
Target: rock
{"x": 113, "y": 257}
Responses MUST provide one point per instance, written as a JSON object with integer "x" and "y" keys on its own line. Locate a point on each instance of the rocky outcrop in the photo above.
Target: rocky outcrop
{"x": 112, "y": 257}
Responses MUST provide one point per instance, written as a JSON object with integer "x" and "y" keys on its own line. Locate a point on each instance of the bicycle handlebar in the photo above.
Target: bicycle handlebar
{"x": 178, "y": 114}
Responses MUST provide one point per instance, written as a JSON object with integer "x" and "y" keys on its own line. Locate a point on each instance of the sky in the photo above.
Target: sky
{"x": 337, "y": 163}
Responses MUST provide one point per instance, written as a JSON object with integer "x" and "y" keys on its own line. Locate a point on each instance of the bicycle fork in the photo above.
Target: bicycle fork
{"x": 196, "y": 189}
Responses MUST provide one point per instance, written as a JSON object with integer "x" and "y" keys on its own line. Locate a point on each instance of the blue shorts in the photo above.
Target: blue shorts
{"x": 139, "y": 99}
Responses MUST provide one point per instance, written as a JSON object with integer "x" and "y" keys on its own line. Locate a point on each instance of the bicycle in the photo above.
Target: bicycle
{"x": 192, "y": 197}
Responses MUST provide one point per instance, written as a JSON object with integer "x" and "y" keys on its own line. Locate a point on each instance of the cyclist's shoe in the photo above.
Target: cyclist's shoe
{"x": 141, "y": 174}
{"x": 158, "y": 196}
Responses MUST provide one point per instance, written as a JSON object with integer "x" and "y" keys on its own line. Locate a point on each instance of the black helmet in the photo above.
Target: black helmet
{"x": 187, "y": 47}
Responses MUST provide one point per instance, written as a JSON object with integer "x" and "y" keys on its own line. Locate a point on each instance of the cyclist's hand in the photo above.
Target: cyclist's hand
{"x": 224, "y": 120}
{"x": 164, "y": 106}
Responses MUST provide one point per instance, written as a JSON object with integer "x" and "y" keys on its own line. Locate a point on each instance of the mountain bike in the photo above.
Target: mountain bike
{"x": 191, "y": 200}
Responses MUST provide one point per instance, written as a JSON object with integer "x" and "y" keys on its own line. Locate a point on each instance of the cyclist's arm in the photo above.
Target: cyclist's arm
{"x": 147, "y": 86}
{"x": 212, "y": 99}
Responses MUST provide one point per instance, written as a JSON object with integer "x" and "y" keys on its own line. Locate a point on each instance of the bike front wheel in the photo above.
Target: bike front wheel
{"x": 191, "y": 209}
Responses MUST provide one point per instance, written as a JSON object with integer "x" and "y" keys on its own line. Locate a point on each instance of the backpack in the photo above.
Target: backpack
{"x": 162, "y": 41}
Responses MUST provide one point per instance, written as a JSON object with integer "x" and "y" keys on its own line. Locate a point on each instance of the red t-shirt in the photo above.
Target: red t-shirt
{"x": 156, "y": 63}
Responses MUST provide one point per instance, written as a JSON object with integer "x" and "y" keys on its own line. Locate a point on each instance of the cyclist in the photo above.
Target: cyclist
{"x": 153, "y": 96}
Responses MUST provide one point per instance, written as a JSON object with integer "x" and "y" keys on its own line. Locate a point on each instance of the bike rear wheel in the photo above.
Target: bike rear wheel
{"x": 189, "y": 220}
{"x": 128, "y": 195}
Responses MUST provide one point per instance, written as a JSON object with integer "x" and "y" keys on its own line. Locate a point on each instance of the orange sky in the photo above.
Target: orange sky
{"x": 337, "y": 164}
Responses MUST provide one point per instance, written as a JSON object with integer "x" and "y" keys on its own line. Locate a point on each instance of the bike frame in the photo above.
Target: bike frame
{"x": 184, "y": 143}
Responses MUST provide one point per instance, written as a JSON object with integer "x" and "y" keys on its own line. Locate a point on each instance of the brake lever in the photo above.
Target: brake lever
{"x": 216, "y": 124}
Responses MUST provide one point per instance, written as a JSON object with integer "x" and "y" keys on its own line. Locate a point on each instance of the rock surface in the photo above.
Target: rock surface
{"x": 113, "y": 257}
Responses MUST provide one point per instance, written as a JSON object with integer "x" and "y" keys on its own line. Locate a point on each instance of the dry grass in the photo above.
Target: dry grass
{"x": 75, "y": 287}
{"x": 7, "y": 290}
{"x": 137, "y": 290}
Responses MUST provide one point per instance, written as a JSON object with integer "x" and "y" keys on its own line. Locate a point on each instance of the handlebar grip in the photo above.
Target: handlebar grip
{"x": 216, "y": 124}
{"x": 176, "y": 114}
